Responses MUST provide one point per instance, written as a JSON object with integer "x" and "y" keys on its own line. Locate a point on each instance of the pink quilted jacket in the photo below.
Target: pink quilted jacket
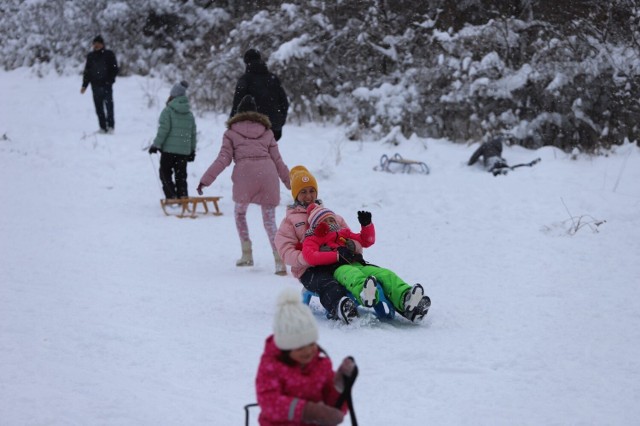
{"x": 250, "y": 143}
{"x": 283, "y": 390}
{"x": 311, "y": 247}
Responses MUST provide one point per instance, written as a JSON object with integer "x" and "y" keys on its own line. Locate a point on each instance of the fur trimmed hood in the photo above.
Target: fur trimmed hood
{"x": 250, "y": 116}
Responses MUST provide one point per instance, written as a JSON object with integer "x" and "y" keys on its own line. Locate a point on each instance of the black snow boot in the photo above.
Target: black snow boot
{"x": 422, "y": 309}
{"x": 346, "y": 310}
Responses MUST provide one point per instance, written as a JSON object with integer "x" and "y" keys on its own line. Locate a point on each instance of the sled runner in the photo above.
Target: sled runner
{"x": 384, "y": 310}
{"x": 392, "y": 164}
{"x": 190, "y": 205}
{"x": 246, "y": 412}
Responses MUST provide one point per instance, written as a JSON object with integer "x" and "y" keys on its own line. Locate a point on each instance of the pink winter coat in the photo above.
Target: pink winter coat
{"x": 283, "y": 390}
{"x": 250, "y": 143}
{"x": 290, "y": 236}
{"x": 311, "y": 247}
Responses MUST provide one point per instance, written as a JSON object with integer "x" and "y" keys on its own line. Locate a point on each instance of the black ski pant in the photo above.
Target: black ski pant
{"x": 103, "y": 101}
{"x": 171, "y": 164}
{"x": 320, "y": 280}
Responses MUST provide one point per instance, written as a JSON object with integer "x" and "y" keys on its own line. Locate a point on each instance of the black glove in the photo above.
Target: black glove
{"x": 153, "y": 149}
{"x": 364, "y": 218}
{"x": 350, "y": 245}
{"x": 345, "y": 371}
{"x": 191, "y": 157}
{"x": 346, "y": 256}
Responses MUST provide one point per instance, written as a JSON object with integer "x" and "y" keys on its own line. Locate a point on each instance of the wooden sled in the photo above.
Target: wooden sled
{"x": 405, "y": 166}
{"x": 189, "y": 206}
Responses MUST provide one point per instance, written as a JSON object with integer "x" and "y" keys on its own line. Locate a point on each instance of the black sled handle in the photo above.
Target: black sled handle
{"x": 346, "y": 394}
{"x": 348, "y": 384}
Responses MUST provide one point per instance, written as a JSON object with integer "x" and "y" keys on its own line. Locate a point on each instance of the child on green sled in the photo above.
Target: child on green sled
{"x": 326, "y": 243}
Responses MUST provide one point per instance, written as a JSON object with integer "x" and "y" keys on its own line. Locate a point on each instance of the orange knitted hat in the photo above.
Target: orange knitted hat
{"x": 300, "y": 178}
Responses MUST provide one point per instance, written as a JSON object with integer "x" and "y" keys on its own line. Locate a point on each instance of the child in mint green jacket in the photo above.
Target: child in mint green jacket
{"x": 328, "y": 243}
{"x": 176, "y": 140}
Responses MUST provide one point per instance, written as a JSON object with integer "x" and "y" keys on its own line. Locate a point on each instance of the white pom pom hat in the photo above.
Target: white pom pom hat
{"x": 294, "y": 325}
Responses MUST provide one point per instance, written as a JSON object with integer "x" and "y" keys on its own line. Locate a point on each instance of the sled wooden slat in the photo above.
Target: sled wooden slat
{"x": 189, "y": 206}
{"x": 404, "y": 161}
{"x": 204, "y": 200}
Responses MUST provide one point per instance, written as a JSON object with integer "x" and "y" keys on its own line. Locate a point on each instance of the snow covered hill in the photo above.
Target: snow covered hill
{"x": 113, "y": 314}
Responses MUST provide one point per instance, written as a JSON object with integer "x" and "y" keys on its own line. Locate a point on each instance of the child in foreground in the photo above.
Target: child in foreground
{"x": 296, "y": 384}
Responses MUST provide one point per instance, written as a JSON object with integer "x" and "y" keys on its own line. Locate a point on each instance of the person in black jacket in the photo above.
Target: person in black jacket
{"x": 101, "y": 70}
{"x": 265, "y": 88}
{"x": 491, "y": 153}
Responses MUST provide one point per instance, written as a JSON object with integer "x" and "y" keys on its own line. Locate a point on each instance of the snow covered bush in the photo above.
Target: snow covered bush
{"x": 542, "y": 72}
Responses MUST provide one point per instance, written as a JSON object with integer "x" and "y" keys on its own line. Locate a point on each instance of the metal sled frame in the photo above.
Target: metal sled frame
{"x": 407, "y": 165}
{"x": 246, "y": 412}
{"x": 384, "y": 310}
{"x": 190, "y": 205}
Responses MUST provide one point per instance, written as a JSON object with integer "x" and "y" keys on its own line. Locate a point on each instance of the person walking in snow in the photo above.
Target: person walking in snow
{"x": 291, "y": 233}
{"x": 249, "y": 142}
{"x": 491, "y": 153}
{"x": 257, "y": 81}
{"x": 100, "y": 71}
{"x": 295, "y": 382}
{"x": 176, "y": 139}
{"x": 329, "y": 243}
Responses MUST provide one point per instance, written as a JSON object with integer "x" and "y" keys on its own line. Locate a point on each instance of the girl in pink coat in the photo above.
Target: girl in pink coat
{"x": 250, "y": 143}
{"x": 318, "y": 279}
{"x": 296, "y": 384}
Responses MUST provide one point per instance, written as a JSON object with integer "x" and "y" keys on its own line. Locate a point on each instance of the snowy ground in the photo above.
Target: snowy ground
{"x": 113, "y": 314}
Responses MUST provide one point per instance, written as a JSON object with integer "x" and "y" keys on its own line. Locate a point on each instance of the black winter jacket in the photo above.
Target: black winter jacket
{"x": 264, "y": 86}
{"x": 493, "y": 148}
{"x": 101, "y": 68}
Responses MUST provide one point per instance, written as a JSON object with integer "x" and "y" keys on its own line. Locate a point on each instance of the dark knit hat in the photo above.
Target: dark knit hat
{"x": 179, "y": 89}
{"x": 98, "y": 39}
{"x": 247, "y": 104}
{"x": 252, "y": 55}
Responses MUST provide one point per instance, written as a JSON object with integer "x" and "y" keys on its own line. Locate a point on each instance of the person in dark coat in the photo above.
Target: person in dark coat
{"x": 265, "y": 88}
{"x": 101, "y": 70}
{"x": 491, "y": 153}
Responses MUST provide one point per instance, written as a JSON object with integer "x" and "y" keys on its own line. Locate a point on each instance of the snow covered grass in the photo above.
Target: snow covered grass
{"x": 113, "y": 314}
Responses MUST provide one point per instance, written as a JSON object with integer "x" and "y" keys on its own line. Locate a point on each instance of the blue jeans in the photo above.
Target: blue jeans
{"x": 103, "y": 100}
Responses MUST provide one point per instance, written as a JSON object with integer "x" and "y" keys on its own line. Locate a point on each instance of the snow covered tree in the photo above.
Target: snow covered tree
{"x": 542, "y": 72}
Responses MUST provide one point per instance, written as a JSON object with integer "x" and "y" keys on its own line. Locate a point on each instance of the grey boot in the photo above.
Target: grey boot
{"x": 281, "y": 269}
{"x": 412, "y": 297}
{"x": 247, "y": 255}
